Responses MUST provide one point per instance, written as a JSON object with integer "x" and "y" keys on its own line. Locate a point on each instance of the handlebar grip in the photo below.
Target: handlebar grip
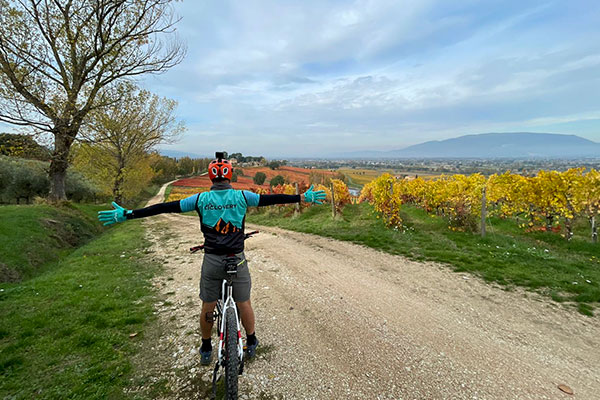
{"x": 196, "y": 248}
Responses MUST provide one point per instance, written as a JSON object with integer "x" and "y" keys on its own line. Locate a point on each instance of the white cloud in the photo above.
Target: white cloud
{"x": 383, "y": 73}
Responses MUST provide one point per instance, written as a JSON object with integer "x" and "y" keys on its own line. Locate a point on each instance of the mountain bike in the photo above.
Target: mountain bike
{"x": 230, "y": 349}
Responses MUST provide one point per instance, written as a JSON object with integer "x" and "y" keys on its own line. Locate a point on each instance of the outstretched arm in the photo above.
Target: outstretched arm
{"x": 120, "y": 214}
{"x": 255, "y": 200}
{"x": 170, "y": 207}
{"x": 271, "y": 199}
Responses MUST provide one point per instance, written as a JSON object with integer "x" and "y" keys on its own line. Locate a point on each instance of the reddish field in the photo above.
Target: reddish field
{"x": 243, "y": 183}
{"x": 292, "y": 174}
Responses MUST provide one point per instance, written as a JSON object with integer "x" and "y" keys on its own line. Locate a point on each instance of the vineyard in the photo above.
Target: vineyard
{"x": 291, "y": 174}
{"x": 186, "y": 187}
{"x": 304, "y": 177}
{"x": 549, "y": 201}
{"x": 360, "y": 177}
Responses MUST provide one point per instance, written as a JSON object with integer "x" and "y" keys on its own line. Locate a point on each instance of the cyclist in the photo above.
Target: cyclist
{"x": 222, "y": 213}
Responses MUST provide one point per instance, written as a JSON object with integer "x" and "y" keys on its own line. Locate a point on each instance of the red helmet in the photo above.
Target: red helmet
{"x": 220, "y": 169}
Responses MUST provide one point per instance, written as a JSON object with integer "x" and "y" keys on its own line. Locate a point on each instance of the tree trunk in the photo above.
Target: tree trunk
{"x": 569, "y": 221}
{"x": 569, "y": 226}
{"x": 63, "y": 139}
{"x": 58, "y": 175}
{"x": 531, "y": 216}
{"x": 118, "y": 185}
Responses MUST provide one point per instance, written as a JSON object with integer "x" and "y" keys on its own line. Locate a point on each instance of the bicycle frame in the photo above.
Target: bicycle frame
{"x": 226, "y": 302}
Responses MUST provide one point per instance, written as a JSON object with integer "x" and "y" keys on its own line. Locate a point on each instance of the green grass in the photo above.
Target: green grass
{"x": 543, "y": 262}
{"x": 65, "y": 333}
{"x": 167, "y": 192}
{"x": 32, "y": 236}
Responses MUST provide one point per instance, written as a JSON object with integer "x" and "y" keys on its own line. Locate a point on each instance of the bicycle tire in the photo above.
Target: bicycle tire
{"x": 231, "y": 354}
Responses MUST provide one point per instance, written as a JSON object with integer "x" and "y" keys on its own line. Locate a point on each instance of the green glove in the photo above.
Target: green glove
{"x": 314, "y": 197}
{"x": 112, "y": 216}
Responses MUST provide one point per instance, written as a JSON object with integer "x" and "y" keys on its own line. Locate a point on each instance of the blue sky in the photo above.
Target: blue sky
{"x": 314, "y": 77}
{"x": 301, "y": 78}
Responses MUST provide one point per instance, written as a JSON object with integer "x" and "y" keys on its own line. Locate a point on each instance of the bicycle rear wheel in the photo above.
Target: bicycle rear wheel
{"x": 231, "y": 354}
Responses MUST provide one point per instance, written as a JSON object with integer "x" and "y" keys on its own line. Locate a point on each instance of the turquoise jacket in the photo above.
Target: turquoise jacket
{"x": 222, "y": 213}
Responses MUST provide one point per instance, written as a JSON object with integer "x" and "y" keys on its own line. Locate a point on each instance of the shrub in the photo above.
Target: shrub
{"x": 342, "y": 194}
{"x": 259, "y": 178}
{"x": 5, "y": 175}
{"x": 236, "y": 172}
{"x": 22, "y": 179}
{"x": 79, "y": 188}
{"x": 277, "y": 180}
{"x": 274, "y": 165}
{"x": 26, "y": 179}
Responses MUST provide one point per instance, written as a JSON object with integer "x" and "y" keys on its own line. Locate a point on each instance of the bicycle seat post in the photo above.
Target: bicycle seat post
{"x": 231, "y": 263}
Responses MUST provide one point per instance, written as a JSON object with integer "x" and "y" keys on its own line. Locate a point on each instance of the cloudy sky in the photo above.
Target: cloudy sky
{"x": 314, "y": 77}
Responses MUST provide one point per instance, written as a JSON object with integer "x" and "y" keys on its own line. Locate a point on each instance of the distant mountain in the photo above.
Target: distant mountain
{"x": 502, "y": 145}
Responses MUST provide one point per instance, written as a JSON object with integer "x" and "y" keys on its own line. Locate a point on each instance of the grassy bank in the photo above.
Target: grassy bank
{"x": 65, "y": 333}
{"x": 33, "y": 236}
{"x": 544, "y": 262}
{"x": 168, "y": 192}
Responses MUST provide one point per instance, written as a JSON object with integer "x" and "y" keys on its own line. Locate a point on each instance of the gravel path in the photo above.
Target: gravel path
{"x": 342, "y": 321}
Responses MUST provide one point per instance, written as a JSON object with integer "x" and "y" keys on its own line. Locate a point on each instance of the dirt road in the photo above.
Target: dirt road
{"x": 342, "y": 321}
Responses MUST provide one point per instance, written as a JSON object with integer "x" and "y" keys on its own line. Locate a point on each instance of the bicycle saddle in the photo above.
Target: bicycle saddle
{"x": 231, "y": 263}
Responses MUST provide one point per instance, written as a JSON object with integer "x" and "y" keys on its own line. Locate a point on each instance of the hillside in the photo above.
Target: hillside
{"x": 24, "y": 146}
{"x": 500, "y": 145}
{"x": 188, "y": 186}
{"x": 66, "y": 331}
{"x": 33, "y": 236}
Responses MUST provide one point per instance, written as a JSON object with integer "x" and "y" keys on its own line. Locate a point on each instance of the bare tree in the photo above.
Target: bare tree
{"x": 129, "y": 129}
{"x": 60, "y": 60}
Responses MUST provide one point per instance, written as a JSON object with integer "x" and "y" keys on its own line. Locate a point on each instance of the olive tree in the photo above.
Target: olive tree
{"x": 277, "y": 180}
{"x": 60, "y": 60}
{"x": 27, "y": 180}
{"x": 259, "y": 178}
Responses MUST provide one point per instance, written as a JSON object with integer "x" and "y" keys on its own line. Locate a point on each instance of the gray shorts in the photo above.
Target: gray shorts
{"x": 213, "y": 273}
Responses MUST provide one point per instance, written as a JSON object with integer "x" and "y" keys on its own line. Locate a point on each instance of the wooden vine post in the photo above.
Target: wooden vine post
{"x": 594, "y": 230}
{"x": 483, "y": 211}
{"x": 332, "y": 201}
{"x": 297, "y": 211}
{"x": 391, "y": 202}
